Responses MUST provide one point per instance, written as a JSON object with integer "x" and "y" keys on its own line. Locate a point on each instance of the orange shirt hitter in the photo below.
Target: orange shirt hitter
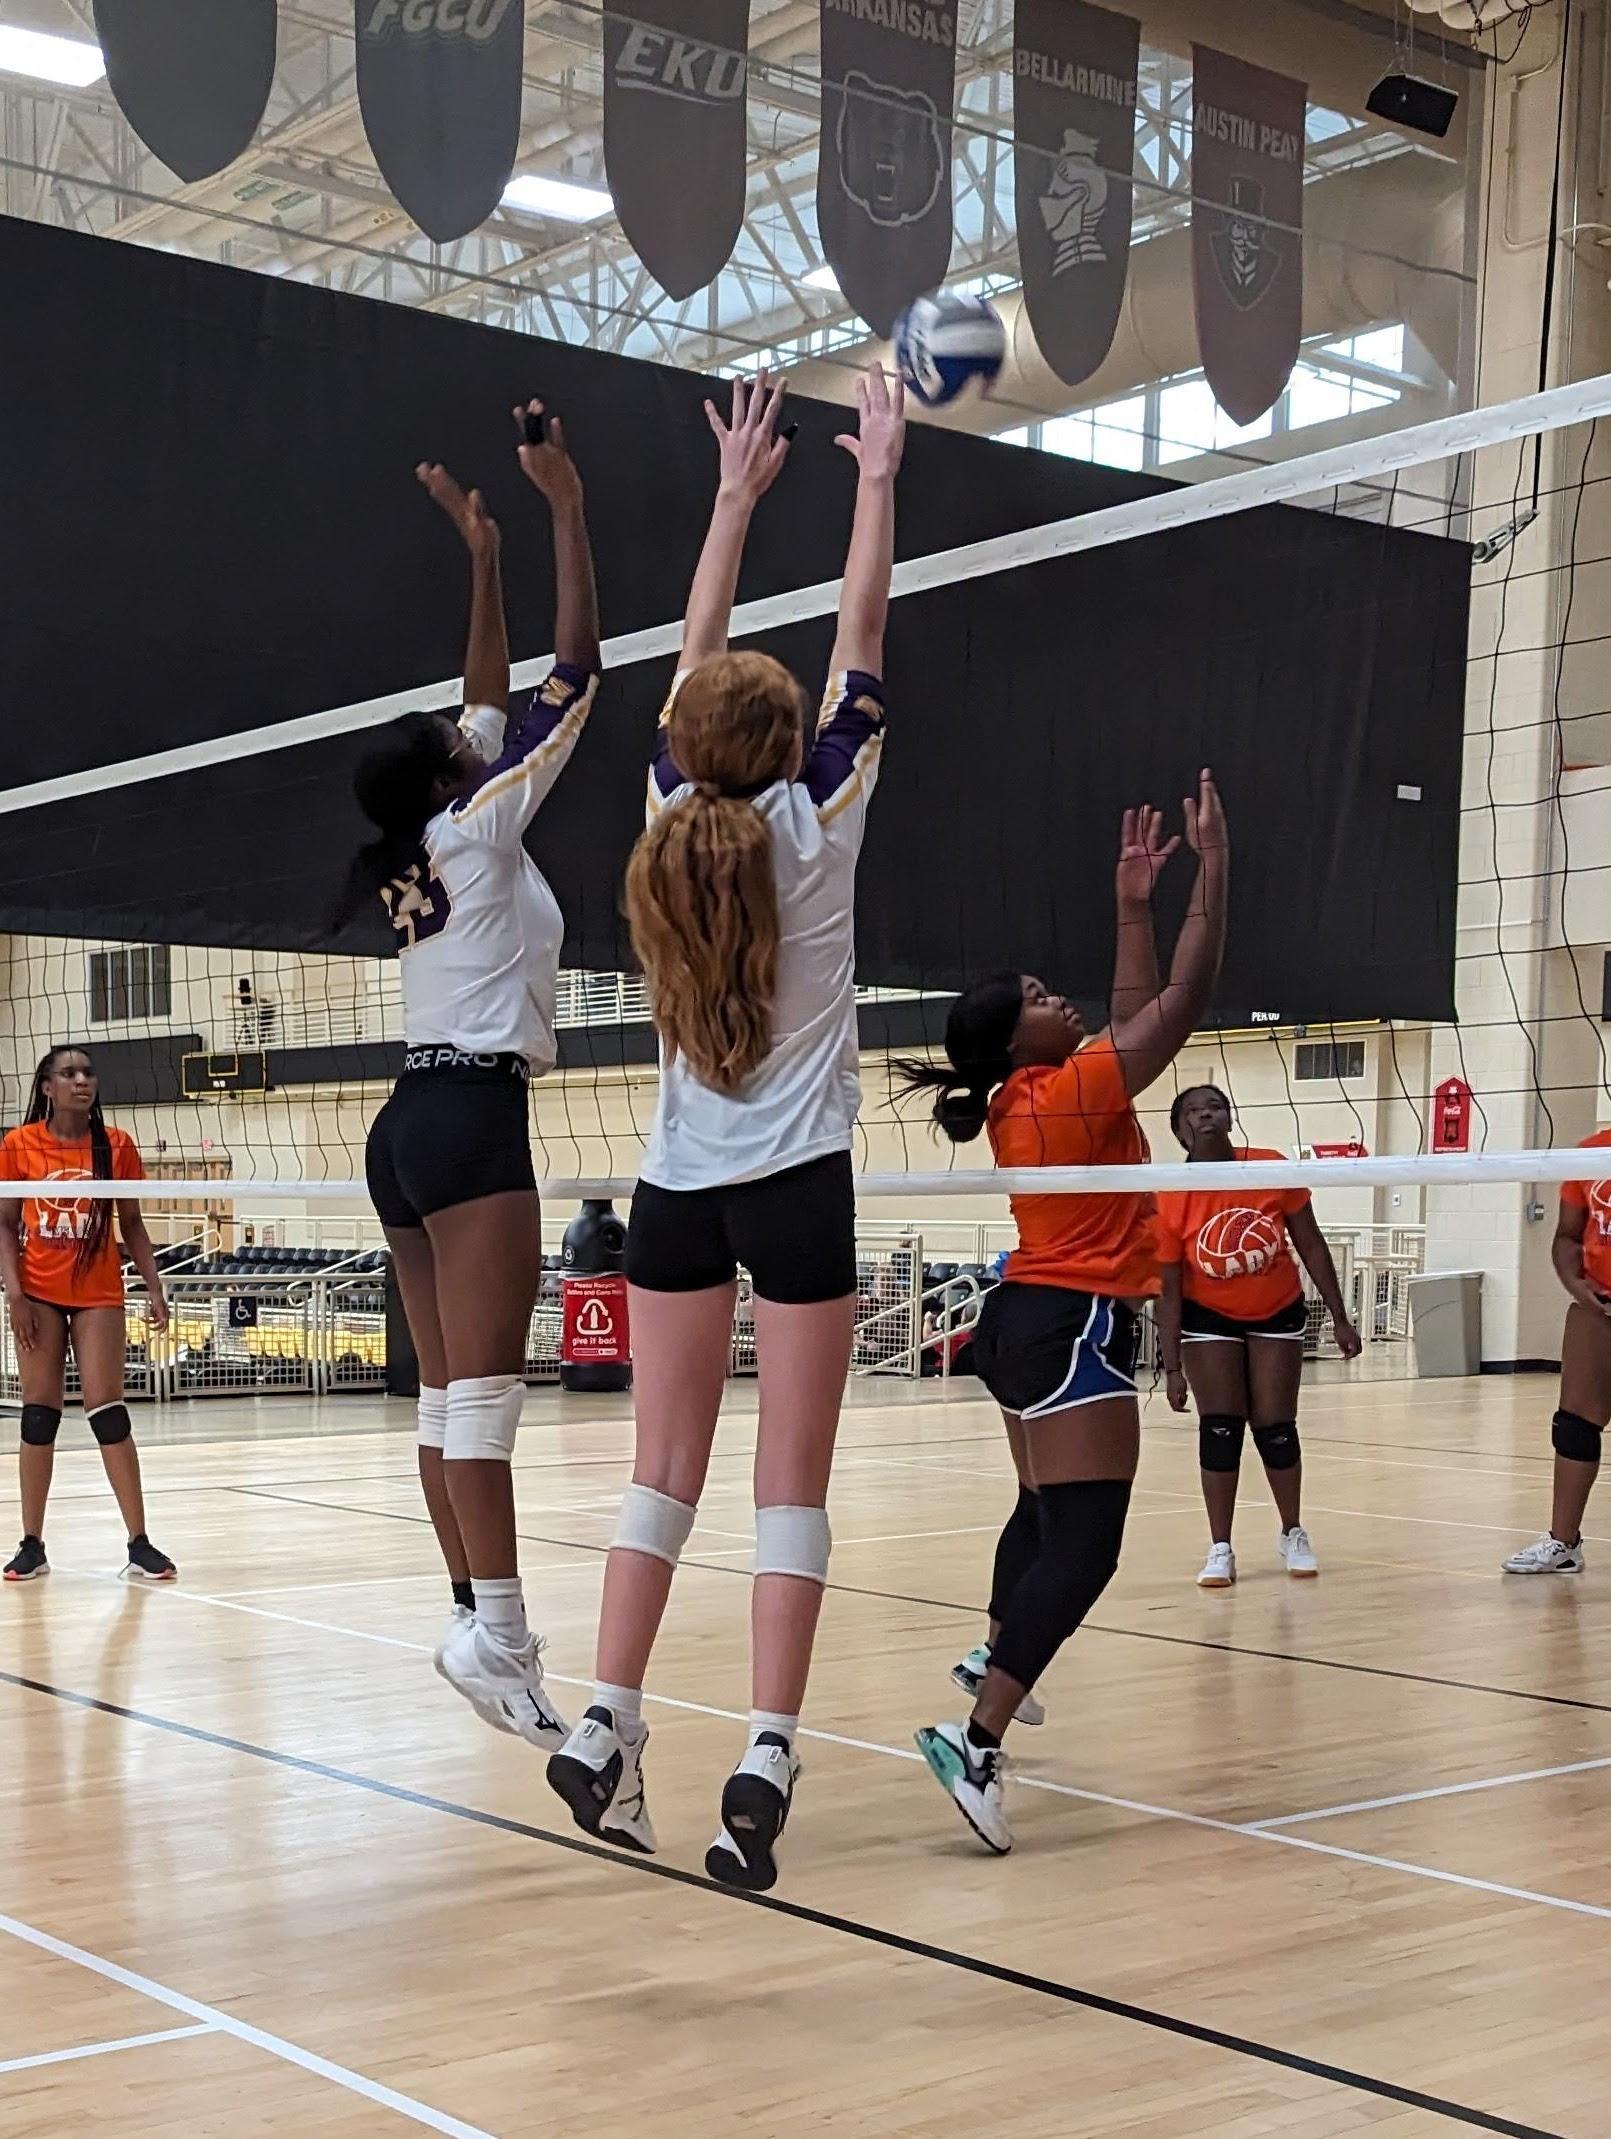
{"x": 1232, "y": 1245}
{"x": 53, "y": 1226}
{"x": 1595, "y": 1198}
{"x": 1077, "y": 1114}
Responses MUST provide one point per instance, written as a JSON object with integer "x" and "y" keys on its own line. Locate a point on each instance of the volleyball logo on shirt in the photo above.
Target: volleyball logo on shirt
{"x": 1599, "y": 1202}
{"x": 62, "y": 1217}
{"x": 1237, "y": 1243}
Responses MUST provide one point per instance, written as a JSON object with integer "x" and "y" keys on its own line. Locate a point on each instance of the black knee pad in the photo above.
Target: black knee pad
{"x": 1278, "y": 1447}
{"x": 1017, "y": 1549}
{"x": 40, "y": 1424}
{"x": 1219, "y": 1441}
{"x": 1082, "y": 1530}
{"x": 1578, "y": 1439}
{"x": 110, "y": 1424}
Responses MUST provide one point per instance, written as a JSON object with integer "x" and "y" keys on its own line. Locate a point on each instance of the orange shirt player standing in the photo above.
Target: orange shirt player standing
{"x": 64, "y": 1287}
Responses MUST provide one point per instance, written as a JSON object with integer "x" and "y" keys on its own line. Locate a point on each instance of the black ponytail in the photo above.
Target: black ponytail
{"x": 978, "y": 1044}
{"x": 394, "y": 783}
{"x": 100, "y": 1217}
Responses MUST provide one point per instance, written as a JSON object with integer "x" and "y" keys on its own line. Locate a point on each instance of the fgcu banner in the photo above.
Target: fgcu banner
{"x": 674, "y": 103}
{"x": 884, "y": 169}
{"x": 1074, "y": 117}
{"x": 1247, "y": 228}
{"x": 439, "y": 84}
{"x": 190, "y": 76}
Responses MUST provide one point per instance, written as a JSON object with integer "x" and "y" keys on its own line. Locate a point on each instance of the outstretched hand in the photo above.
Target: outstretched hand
{"x": 1206, "y": 831}
{"x": 1143, "y": 851}
{"x": 548, "y": 467}
{"x": 467, "y": 510}
{"x": 880, "y": 439}
{"x": 752, "y": 452}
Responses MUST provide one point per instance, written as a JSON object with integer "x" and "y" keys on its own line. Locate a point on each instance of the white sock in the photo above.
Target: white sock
{"x": 763, "y": 1719}
{"x": 625, "y": 1704}
{"x": 500, "y": 1607}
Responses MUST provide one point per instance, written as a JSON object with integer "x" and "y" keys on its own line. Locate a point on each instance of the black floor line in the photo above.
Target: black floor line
{"x": 976, "y": 1611}
{"x": 894, "y": 1941}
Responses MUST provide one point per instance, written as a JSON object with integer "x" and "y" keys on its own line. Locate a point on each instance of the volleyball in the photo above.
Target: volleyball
{"x": 1237, "y": 1243}
{"x": 944, "y": 345}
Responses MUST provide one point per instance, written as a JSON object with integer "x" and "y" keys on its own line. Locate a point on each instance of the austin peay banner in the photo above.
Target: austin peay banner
{"x": 1247, "y": 228}
{"x": 675, "y": 77}
{"x": 884, "y": 168}
{"x": 439, "y": 84}
{"x": 190, "y": 76}
{"x": 1074, "y": 117}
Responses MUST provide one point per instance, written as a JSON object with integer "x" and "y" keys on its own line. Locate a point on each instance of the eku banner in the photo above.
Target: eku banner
{"x": 1247, "y": 228}
{"x": 439, "y": 85}
{"x": 884, "y": 168}
{"x": 192, "y": 77}
{"x": 1075, "y": 70}
{"x": 675, "y": 93}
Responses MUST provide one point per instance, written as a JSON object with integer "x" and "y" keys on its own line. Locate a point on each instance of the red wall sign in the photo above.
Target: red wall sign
{"x": 1354, "y": 1150}
{"x": 1451, "y": 1115}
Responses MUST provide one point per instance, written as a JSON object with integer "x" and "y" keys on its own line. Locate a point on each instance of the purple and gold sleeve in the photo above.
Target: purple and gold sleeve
{"x": 519, "y": 779}
{"x": 842, "y": 769}
{"x": 664, "y": 777}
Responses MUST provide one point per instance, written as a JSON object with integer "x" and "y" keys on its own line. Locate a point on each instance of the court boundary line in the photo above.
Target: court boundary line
{"x": 800, "y": 1912}
{"x": 1420, "y": 1797}
{"x": 217, "y": 2020}
{"x": 105, "y": 2049}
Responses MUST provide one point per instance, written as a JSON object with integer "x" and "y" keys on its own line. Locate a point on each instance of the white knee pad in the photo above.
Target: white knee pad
{"x": 483, "y": 1417}
{"x": 432, "y": 1416}
{"x": 793, "y": 1541}
{"x": 654, "y": 1523}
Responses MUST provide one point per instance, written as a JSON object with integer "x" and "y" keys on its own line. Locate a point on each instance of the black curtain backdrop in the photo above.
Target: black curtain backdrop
{"x": 211, "y": 523}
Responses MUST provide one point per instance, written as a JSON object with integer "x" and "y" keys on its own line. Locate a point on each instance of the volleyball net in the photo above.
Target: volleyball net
{"x": 1472, "y": 785}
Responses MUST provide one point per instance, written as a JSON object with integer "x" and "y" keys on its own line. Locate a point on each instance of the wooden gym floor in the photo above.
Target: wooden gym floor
{"x": 1296, "y": 1859}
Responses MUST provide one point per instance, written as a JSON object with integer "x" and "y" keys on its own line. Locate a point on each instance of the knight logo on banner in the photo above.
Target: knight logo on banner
{"x": 439, "y": 84}
{"x": 884, "y": 169}
{"x": 675, "y": 92}
{"x": 1247, "y": 228}
{"x": 1074, "y": 117}
{"x": 191, "y": 76}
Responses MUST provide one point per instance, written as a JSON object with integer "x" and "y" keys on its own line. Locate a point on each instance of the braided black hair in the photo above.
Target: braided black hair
{"x": 39, "y": 1109}
{"x": 978, "y": 1044}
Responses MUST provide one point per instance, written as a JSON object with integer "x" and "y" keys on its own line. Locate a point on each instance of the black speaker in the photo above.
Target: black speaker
{"x": 1407, "y": 101}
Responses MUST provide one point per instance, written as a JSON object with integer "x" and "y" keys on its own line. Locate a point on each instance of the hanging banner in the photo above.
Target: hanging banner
{"x": 1247, "y": 228}
{"x": 884, "y": 169}
{"x": 675, "y": 77}
{"x": 1074, "y": 122}
{"x": 190, "y": 76}
{"x": 439, "y": 85}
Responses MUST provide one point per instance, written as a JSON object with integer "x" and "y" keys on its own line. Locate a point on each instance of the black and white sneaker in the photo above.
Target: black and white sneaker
{"x": 755, "y": 1810}
{"x": 28, "y": 1562}
{"x": 972, "y": 1776}
{"x": 599, "y": 1774}
{"x": 146, "y": 1564}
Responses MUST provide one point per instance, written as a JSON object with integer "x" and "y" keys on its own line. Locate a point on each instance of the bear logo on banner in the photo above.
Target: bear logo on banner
{"x": 192, "y": 77}
{"x": 1074, "y": 203}
{"x": 439, "y": 84}
{"x": 889, "y": 151}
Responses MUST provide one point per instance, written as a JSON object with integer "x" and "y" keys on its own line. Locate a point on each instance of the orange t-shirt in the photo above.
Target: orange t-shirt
{"x": 53, "y": 1226}
{"x": 1232, "y": 1244}
{"x": 1078, "y": 1114}
{"x": 1595, "y": 1198}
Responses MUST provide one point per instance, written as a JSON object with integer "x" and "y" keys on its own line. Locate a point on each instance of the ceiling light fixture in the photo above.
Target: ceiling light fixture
{"x": 557, "y": 197}
{"x": 67, "y": 61}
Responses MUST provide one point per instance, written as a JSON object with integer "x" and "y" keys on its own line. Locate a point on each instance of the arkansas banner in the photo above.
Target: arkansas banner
{"x": 439, "y": 86}
{"x": 884, "y": 171}
{"x": 675, "y": 81}
{"x": 1074, "y": 122}
{"x": 1247, "y": 228}
{"x": 190, "y": 76}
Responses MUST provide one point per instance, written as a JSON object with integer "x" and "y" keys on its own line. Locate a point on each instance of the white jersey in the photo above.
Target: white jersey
{"x": 479, "y": 931}
{"x": 802, "y": 1103}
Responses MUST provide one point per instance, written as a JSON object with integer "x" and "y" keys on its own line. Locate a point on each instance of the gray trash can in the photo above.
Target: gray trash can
{"x": 1446, "y": 1322}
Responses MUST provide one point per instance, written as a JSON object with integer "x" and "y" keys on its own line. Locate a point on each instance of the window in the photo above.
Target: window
{"x": 1321, "y": 1059}
{"x": 135, "y": 983}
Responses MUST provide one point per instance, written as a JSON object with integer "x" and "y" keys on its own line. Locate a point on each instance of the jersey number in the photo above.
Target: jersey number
{"x": 419, "y": 906}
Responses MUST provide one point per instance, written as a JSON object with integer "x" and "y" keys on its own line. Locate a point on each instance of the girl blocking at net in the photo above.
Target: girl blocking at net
{"x": 64, "y": 1288}
{"x": 1232, "y": 1320}
{"x": 1057, "y": 1341}
{"x": 1581, "y": 1252}
{"x": 449, "y": 1154}
{"x": 740, "y": 896}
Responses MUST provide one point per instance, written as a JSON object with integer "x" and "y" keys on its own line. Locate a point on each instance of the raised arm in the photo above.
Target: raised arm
{"x": 548, "y": 467}
{"x": 876, "y": 448}
{"x": 1150, "y": 1040}
{"x": 1143, "y": 851}
{"x": 486, "y": 656}
{"x": 752, "y": 453}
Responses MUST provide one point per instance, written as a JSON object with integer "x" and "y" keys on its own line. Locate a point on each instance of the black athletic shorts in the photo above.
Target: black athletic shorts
{"x": 1206, "y": 1325}
{"x": 794, "y": 1232}
{"x": 455, "y": 1129}
{"x": 1039, "y": 1349}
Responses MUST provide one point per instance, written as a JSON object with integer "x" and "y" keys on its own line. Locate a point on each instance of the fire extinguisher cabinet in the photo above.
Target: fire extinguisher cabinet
{"x": 596, "y": 1349}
